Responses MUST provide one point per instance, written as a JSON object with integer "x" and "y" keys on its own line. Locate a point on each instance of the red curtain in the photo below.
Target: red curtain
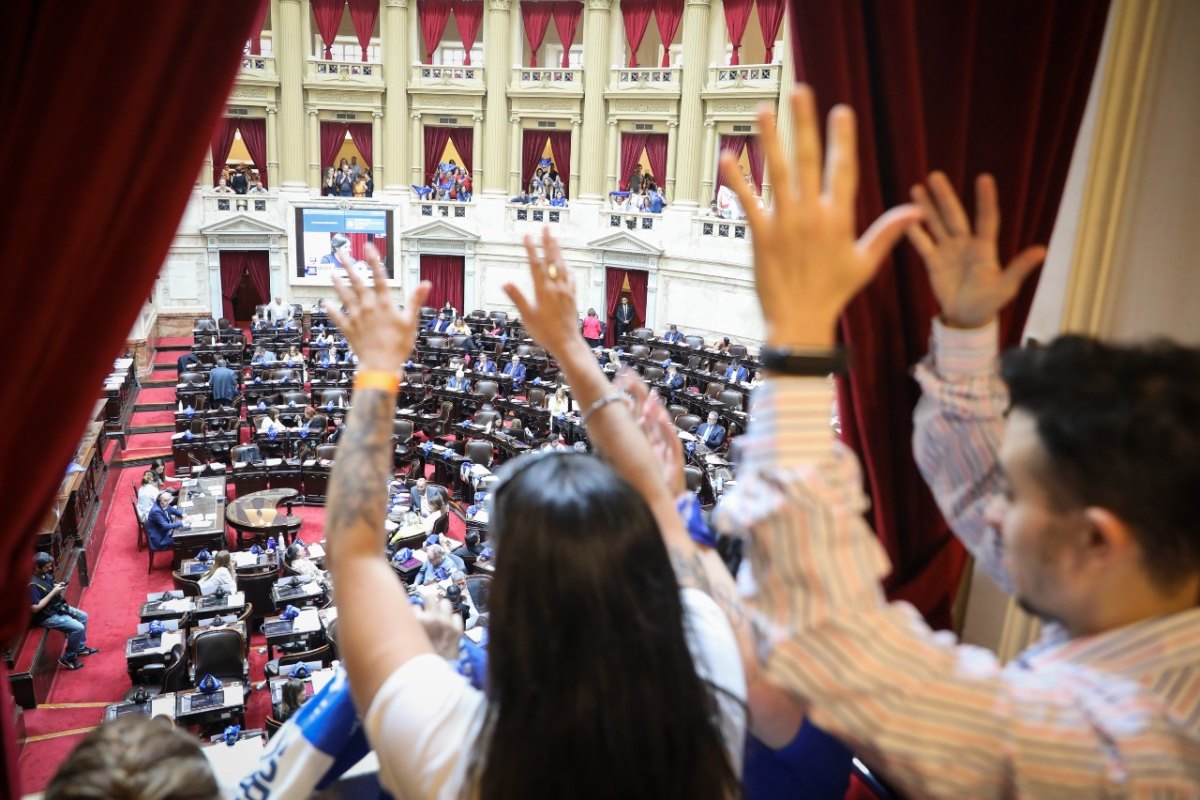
{"x": 259, "y": 269}
{"x": 639, "y": 280}
{"x": 357, "y": 240}
{"x": 632, "y": 145}
{"x": 333, "y": 134}
{"x": 256, "y": 29}
{"x": 935, "y": 86}
{"x": 254, "y": 136}
{"x": 176, "y": 79}
{"x": 566, "y": 20}
{"x": 636, "y": 14}
{"x": 656, "y": 154}
{"x": 614, "y": 280}
{"x": 432, "y": 16}
{"x": 328, "y": 16}
{"x": 446, "y": 275}
{"x": 361, "y": 133}
{"x": 236, "y": 262}
{"x": 734, "y": 146}
{"x": 435, "y": 144}
{"x": 536, "y": 18}
{"x": 754, "y": 155}
{"x": 464, "y": 143}
{"x": 533, "y": 144}
{"x": 560, "y": 148}
{"x": 467, "y": 15}
{"x": 363, "y": 14}
{"x": 737, "y": 15}
{"x": 770, "y": 19}
{"x": 667, "y": 14}
{"x": 222, "y": 140}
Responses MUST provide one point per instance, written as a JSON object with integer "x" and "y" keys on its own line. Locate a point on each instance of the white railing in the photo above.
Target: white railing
{"x": 665, "y": 78}
{"x": 449, "y": 209}
{"x": 629, "y": 220}
{"x": 539, "y": 215}
{"x": 756, "y": 76}
{"x": 345, "y": 71}
{"x": 547, "y": 77}
{"x": 259, "y": 66}
{"x": 449, "y": 74}
{"x": 220, "y": 204}
{"x": 718, "y": 228}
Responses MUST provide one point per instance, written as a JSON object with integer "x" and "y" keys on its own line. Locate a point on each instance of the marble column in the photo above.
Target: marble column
{"x": 690, "y": 158}
{"x": 390, "y": 153}
{"x": 709, "y": 166}
{"x": 493, "y": 175}
{"x": 416, "y": 147}
{"x": 672, "y": 156}
{"x": 611, "y": 179}
{"x": 516, "y": 143}
{"x": 291, "y": 55}
{"x": 573, "y": 167}
{"x": 314, "y": 148}
{"x": 783, "y": 114}
{"x": 273, "y": 176}
{"x": 476, "y": 144}
{"x": 595, "y": 79}
{"x": 378, "y": 170}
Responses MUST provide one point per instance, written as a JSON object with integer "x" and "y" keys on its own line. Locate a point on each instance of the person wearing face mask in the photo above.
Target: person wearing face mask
{"x": 625, "y": 317}
{"x": 458, "y": 382}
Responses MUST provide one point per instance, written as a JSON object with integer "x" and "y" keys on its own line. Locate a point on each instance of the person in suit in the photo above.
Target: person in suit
{"x": 470, "y": 548}
{"x": 224, "y": 383}
{"x": 458, "y": 382}
{"x": 160, "y": 523}
{"x": 437, "y": 559}
{"x": 421, "y": 497}
{"x": 516, "y": 369}
{"x": 673, "y": 335}
{"x": 710, "y": 433}
{"x": 262, "y": 357}
{"x": 50, "y": 610}
{"x": 625, "y": 317}
{"x": 239, "y": 182}
{"x": 439, "y": 324}
{"x": 672, "y": 380}
{"x": 486, "y": 365}
{"x": 736, "y": 373}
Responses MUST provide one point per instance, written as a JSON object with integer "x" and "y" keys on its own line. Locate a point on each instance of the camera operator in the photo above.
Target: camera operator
{"x": 51, "y": 610}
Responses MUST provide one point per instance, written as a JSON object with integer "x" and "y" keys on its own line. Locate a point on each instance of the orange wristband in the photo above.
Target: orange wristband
{"x": 377, "y": 379}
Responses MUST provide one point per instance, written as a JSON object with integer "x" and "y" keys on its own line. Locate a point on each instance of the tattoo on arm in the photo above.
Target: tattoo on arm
{"x": 358, "y": 485}
{"x": 691, "y": 571}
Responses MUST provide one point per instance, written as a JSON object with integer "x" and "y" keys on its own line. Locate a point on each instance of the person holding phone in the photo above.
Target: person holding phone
{"x": 51, "y": 610}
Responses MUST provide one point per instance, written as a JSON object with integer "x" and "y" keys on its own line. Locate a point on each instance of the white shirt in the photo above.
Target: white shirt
{"x": 279, "y": 312}
{"x": 147, "y": 494}
{"x": 221, "y": 579}
{"x": 425, "y": 718}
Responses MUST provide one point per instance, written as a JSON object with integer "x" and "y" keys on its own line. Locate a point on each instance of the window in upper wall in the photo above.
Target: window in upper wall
{"x": 553, "y": 56}
{"x": 451, "y": 55}
{"x": 346, "y": 48}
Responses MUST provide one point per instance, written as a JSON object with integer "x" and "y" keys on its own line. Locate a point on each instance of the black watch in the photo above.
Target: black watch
{"x": 806, "y": 363}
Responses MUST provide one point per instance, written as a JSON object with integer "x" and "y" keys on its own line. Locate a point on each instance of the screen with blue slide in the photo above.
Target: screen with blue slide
{"x": 326, "y": 237}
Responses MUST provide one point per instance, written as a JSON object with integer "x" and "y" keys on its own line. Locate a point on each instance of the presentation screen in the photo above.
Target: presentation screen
{"x": 363, "y": 233}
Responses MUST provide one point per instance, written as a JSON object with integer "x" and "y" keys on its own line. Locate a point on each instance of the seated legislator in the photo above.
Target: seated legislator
{"x": 471, "y": 546}
{"x": 460, "y": 603}
{"x": 51, "y": 611}
{"x": 460, "y": 327}
{"x": 516, "y": 370}
{"x": 291, "y": 697}
{"x": 1069, "y": 471}
{"x": 262, "y": 357}
{"x": 486, "y": 365}
{"x": 673, "y": 335}
{"x": 160, "y": 523}
{"x": 296, "y": 557}
{"x": 421, "y": 495}
{"x": 294, "y": 358}
{"x": 224, "y": 382}
{"x": 147, "y": 493}
{"x": 672, "y": 379}
{"x": 439, "y": 324}
{"x": 437, "y": 566}
{"x": 711, "y": 433}
{"x": 270, "y": 422}
{"x": 736, "y": 373}
{"x": 457, "y": 382}
{"x": 220, "y": 578}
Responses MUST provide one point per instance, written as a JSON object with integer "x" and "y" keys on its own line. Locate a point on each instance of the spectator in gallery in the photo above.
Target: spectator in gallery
{"x": 360, "y": 185}
{"x": 635, "y": 178}
{"x": 560, "y": 200}
{"x": 339, "y": 251}
{"x": 593, "y": 328}
{"x": 222, "y": 187}
{"x": 344, "y": 181}
{"x": 370, "y": 183}
{"x": 521, "y": 199}
{"x": 355, "y": 168}
{"x": 329, "y": 185}
{"x": 535, "y": 183}
{"x": 238, "y": 180}
{"x": 654, "y": 200}
{"x": 256, "y": 186}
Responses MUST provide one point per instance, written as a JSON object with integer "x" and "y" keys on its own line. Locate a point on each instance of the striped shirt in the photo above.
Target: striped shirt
{"x": 1111, "y": 715}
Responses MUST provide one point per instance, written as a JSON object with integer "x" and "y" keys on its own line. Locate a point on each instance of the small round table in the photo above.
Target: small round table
{"x": 257, "y": 516}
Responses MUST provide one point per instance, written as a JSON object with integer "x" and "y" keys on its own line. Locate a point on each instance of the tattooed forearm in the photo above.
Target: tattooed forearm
{"x": 358, "y": 485}
{"x": 693, "y": 569}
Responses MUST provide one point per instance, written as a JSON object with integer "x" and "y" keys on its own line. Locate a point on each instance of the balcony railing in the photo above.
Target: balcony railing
{"x": 547, "y": 78}
{"x": 368, "y": 73}
{"x": 661, "y": 78}
{"x": 218, "y": 204}
{"x": 449, "y": 209}
{"x": 259, "y": 66}
{"x": 718, "y": 228}
{"x": 629, "y": 220}
{"x": 751, "y": 76}
{"x": 540, "y": 215}
{"x": 449, "y": 75}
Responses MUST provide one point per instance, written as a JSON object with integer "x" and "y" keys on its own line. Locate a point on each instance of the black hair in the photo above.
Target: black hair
{"x": 471, "y": 539}
{"x": 593, "y": 670}
{"x": 1121, "y": 428}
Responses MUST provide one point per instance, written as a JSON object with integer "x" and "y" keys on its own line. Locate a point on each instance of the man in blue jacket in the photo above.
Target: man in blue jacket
{"x": 224, "y": 383}
{"x": 517, "y": 370}
{"x": 159, "y": 523}
{"x": 735, "y": 373}
{"x": 710, "y": 433}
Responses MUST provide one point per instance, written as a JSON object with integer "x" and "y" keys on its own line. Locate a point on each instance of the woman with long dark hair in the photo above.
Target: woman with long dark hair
{"x": 612, "y": 671}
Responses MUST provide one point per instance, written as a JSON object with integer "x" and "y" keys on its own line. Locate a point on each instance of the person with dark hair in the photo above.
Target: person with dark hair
{"x": 735, "y": 373}
{"x": 135, "y": 758}
{"x": 593, "y": 330}
{"x": 458, "y": 605}
{"x": 624, "y": 316}
{"x": 339, "y": 251}
{"x": 224, "y": 383}
{"x": 470, "y": 548}
{"x": 1072, "y": 477}
{"x": 291, "y": 697}
{"x": 585, "y": 552}
{"x": 51, "y": 610}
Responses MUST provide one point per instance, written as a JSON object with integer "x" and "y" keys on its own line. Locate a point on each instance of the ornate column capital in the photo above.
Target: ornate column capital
{"x": 599, "y": 5}
{"x": 515, "y": 120}
{"x": 710, "y": 123}
{"x": 672, "y": 123}
{"x": 576, "y": 121}
{"x": 477, "y": 118}
{"x": 397, "y": 3}
{"x": 499, "y": 5}
{"x": 377, "y": 113}
{"x": 613, "y": 122}
{"x": 312, "y": 112}
{"x": 704, "y": 3}
{"x": 272, "y": 109}
{"x": 414, "y": 115}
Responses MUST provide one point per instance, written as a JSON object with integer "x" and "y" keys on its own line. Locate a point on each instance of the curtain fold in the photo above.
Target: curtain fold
{"x": 614, "y": 279}
{"x": 632, "y": 145}
{"x": 232, "y": 266}
{"x": 328, "y": 16}
{"x": 934, "y": 88}
{"x": 536, "y": 18}
{"x": 361, "y": 133}
{"x": 639, "y": 281}
{"x": 566, "y": 21}
{"x": 734, "y": 146}
{"x": 357, "y": 240}
{"x": 636, "y": 16}
{"x": 432, "y": 16}
{"x": 259, "y": 269}
{"x": 656, "y": 154}
{"x": 92, "y": 284}
{"x": 254, "y": 136}
{"x": 464, "y": 143}
{"x": 222, "y": 139}
{"x": 770, "y": 20}
{"x": 737, "y": 16}
{"x": 333, "y": 134}
{"x": 667, "y": 14}
{"x": 560, "y": 149}
{"x": 363, "y": 14}
{"x": 754, "y": 155}
{"x": 256, "y": 29}
{"x": 467, "y": 16}
{"x": 435, "y": 145}
{"x": 446, "y": 275}
{"x": 533, "y": 143}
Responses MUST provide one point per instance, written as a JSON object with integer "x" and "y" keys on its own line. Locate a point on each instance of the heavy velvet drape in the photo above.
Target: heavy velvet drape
{"x": 632, "y": 145}
{"x": 89, "y": 286}
{"x": 533, "y": 144}
{"x": 233, "y": 264}
{"x": 363, "y": 14}
{"x": 656, "y": 154}
{"x": 446, "y": 275}
{"x": 333, "y": 135}
{"x": 667, "y": 14}
{"x": 328, "y": 16}
{"x": 222, "y": 139}
{"x": 737, "y": 16}
{"x": 936, "y": 86}
{"x": 254, "y": 136}
{"x": 560, "y": 148}
{"x": 614, "y": 281}
{"x": 432, "y": 16}
{"x": 435, "y": 144}
{"x": 636, "y": 16}
{"x": 566, "y": 21}
{"x": 256, "y": 29}
{"x": 361, "y": 133}
{"x": 467, "y": 15}
{"x": 536, "y": 19}
{"x": 770, "y": 20}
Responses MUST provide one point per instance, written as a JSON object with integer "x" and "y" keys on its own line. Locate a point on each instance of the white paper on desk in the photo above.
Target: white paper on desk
{"x": 177, "y": 605}
{"x": 243, "y": 558}
{"x": 240, "y": 464}
{"x": 309, "y": 621}
{"x": 273, "y": 462}
{"x": 687, "y": 437}
{"x": 312, "y": 587}
{"x": 163, "y": 705}
{"x": 311, "y": 462}
{"x": 316, "y": 551}
{"x": 321, "y": 678}
{"x": 169, "y": 640}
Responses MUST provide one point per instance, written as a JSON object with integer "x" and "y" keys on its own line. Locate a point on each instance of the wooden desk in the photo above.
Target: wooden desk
{"x": 258, "y": 514}
{"x": 304, "y": 628}
{"x": 162, "y": 705}
{"x": 284, "y": 594}
{"x": 206, "y": 516}
{"x": 230, "y": 705}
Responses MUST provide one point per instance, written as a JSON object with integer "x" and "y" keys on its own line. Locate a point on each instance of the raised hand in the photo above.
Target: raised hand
{"x": 651, "y": 415}
{"x": 807, "y": 263}
{"x": 381, "y": 334}
{"x": 964, "y": 267}
{"x": 551, "y": 317}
